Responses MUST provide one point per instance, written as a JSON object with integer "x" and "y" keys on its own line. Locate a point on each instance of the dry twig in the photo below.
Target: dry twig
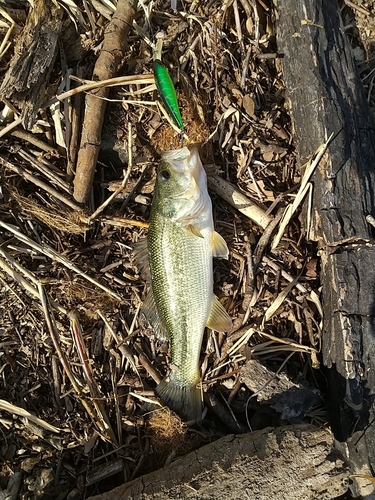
{"x": 46, "y": 250}
{"x": 106, "y": 67}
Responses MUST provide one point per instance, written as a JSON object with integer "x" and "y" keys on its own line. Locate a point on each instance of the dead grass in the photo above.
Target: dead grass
{"x": 65, "y": 221}
{"x": 170, "y": 436}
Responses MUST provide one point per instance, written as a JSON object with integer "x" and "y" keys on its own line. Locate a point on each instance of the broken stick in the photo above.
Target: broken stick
{"x": 107, "y": 66}
{"x": 234, "y": 197}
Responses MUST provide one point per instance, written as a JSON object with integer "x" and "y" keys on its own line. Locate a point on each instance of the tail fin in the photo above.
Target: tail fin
{"x": 181, "y": 397}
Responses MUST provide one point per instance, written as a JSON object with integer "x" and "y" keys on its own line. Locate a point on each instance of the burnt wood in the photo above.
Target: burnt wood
{"x": 26, "y": 83}
{"x": 326, "y": 96}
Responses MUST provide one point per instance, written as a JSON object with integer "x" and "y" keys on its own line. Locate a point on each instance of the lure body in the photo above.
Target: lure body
{"x": 167, "y": 92}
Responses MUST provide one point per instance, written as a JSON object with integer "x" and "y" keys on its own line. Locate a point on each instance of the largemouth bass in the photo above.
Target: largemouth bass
{"x": 181, "y": 244}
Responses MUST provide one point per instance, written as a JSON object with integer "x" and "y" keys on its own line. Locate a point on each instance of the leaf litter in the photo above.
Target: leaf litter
{"x": 78, "y": 363}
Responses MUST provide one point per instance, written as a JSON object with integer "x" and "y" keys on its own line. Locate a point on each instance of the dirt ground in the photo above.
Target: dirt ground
{"x": 78, "y": 363}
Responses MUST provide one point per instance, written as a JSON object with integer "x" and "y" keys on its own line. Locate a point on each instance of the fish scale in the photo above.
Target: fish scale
{"x": 179, "y": 294}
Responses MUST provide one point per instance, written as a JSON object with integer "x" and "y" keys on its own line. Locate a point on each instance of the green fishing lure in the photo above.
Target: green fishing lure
{"x": 167, "y": 92}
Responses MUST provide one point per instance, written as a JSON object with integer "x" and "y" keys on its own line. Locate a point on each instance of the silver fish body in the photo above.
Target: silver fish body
{"x": 181, "y": 244}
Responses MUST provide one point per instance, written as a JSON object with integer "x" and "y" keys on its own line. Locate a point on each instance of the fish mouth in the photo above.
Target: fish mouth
{"x": 183, "y": 159}
{"x": 177, "y": 158}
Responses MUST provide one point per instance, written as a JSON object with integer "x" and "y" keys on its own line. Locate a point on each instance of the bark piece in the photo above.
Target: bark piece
{"x": 327, "y": 96}
{"x": 107, "y": 66}
{"x": 276, "y": 390}
{"x": 27, "y": 79}
{"x": 296, "y": 462}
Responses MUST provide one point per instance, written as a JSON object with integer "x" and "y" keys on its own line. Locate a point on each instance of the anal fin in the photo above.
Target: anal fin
{"x": 219, "y": 319}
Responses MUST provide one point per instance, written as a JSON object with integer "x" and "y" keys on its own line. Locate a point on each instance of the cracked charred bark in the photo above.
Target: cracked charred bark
{"x": 326, "y": 95}
{"x": 26, "y": 84}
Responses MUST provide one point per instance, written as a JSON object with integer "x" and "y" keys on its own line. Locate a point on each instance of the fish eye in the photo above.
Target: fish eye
{"x": 165, "y": 174}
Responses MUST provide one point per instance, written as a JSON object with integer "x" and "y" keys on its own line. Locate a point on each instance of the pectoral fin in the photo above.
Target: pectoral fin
{"x": 219, "y": 247}
{"x": 150, "y": 311}
{"x": 219, "y": 319}
{"x": 194, "y": 230}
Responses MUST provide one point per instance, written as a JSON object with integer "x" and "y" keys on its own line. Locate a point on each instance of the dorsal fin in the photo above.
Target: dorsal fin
{"x": 140, "y": 254}
{"x": 150, "y": 311}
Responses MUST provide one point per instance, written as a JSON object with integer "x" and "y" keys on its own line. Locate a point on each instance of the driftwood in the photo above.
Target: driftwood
{"x": 26, "y": 82}
{"x": 107, "y": 66}
{"x": 234, "y": 197}
{"x": 296, "y": 462}
{"x": 327, "y": 96}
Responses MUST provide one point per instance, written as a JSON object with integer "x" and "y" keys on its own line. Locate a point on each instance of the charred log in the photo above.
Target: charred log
{"x": 326, "y": 96}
